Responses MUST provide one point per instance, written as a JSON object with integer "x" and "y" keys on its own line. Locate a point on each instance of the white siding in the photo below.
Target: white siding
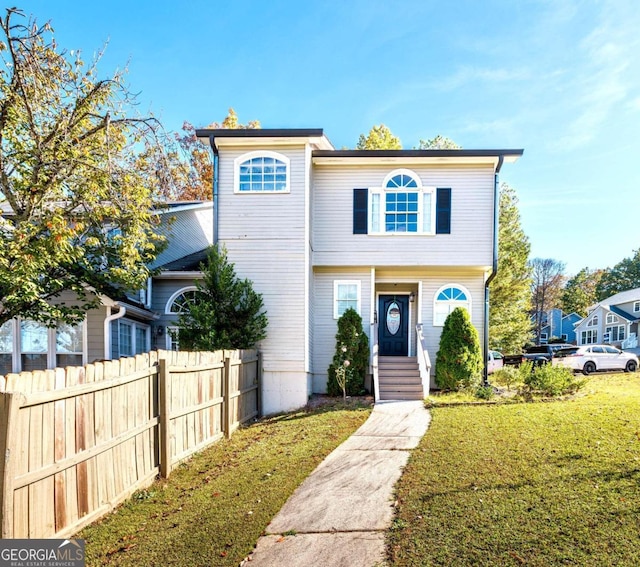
{"x": 469, "y": 244}
{"x": 267, "y": 240}
{"x": 326, "y": 327}
{"x": 387, "y": 280}
{"x": 189, "y": 231}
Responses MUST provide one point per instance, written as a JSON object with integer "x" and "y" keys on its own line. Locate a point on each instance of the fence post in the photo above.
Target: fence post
{"x": 226, "y": 393}
{"x": 9, "y": 408}
{"x": 259, "y": 380}
{"x": 164, "y": 398}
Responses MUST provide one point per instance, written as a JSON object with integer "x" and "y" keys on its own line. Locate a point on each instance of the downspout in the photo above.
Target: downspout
{"x": 107, "y": 329}
{"x": 494, "y": 269}
{"x": 216, "y": 196}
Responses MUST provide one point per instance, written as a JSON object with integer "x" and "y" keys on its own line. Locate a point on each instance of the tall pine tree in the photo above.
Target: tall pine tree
{"x": 510, "y": 290}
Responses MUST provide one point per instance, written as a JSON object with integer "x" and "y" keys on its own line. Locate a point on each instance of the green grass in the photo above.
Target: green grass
{"x": 534, "y": 484}
{"x": 213, "y": 509}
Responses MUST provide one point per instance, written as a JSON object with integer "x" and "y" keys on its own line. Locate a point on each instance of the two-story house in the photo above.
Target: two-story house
{"x": 559, "y": 325}
{"x": 402, "y": 236}
{"x": 613, "y": 321}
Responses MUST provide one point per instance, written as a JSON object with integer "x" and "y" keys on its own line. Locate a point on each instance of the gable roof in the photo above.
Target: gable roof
{"x": 188, "y": 263}
{"x": 622, "y": 313}
{"x": 618, "y": 298}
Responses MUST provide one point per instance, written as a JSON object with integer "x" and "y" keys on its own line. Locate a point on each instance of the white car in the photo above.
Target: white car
{"x": 592, "y": 358}
{"x": 495, "y": 361}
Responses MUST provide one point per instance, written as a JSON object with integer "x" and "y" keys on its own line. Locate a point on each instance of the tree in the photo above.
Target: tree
{"x": 459, "y": 359}
{"x": 351, "y": 358}
{"x": 226, "y": 312}
{"x": 76, "y": 188}
{"x": 546, "y": 287}
{"x": 580, "y": 291}
{"x": 510, "y": 290}
{"x": 379, "y": 138}
{"x": 198, "y": 173}
{"x": 438, "y": 143}
{"x": 623, "y": 276}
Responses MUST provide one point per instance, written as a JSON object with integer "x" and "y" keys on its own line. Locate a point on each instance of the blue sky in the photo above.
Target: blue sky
{"x": 559, "y": 78}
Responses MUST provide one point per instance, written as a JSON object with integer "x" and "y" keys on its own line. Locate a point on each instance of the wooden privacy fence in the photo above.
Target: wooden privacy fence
{"x": 78, "y": 441}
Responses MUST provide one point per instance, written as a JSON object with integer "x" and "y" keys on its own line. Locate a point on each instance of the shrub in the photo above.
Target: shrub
{"x": 551, "y": 380}
{"x": 458, "y": 360}
{"x": 351, "y": 357}
{"x": 506, "y": 376}
{"x": 484, "y": 392}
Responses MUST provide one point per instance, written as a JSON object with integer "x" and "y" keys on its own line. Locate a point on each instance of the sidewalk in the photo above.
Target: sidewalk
{"x": 338, "y": 516}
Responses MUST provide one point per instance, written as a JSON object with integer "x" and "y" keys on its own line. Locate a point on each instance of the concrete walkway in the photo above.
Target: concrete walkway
{"x": 338, "y": 516}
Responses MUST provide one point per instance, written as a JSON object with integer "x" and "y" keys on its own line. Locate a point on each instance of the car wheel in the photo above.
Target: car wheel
{"x": 589, "y": 367}
{"x": 631, "y": 366}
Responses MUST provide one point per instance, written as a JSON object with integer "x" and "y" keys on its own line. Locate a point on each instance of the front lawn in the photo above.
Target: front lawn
{"x": 537, "y": 484}
{"x": 213, "y": 509}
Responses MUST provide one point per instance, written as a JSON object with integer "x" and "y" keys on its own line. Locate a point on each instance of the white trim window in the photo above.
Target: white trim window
{"x": 611, "y": 318}
{"x": 346, "y": 294}
{"x": 180, "y": 299}
{"x": 616, "y": 333}
{"x": 636, "y": 307}
{"x": 261, "y": 172}
{"x": 402, "y": 205}
{"x": 589, "y": 337}
{"x": 133, "y": 337}
{"x": 446, "y": 299}
{"x": 543, "y": 338}
{"x": 172, "y": 338}
{"x": 593, "y": 322}
{"x": 69, "y": 345}
{"x": 6, "y": 348}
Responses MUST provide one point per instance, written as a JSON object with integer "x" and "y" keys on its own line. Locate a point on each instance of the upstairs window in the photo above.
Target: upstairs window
{"x": 262, "y": 172}
{"x": 593, "y": 322}
{"x": 611, "y": 318}
{"x": 636, "y": 307}
{"x": 179, "y": 301}
{"x": 402, "y": 206}
{"x": 447, "y": 298}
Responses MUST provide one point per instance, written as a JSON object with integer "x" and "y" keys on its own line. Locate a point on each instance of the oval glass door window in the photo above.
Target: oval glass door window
{"x": 393, "y": 318}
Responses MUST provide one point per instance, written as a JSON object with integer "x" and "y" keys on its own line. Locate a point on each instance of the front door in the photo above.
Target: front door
{"x": 393, "y": 325}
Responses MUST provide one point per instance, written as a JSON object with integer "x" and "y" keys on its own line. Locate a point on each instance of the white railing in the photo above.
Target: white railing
{"x": 424, "y": 362}
{"x": 374, "y": 364}
{"x": 630, "y": 342}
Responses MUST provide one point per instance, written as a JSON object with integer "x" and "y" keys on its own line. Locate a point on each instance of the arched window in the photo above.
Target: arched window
{"x": 402, "y": 205}
{"x": 446, "y": 299}
{"x": 180, "y": 299}
{"x": 262, "y": 172}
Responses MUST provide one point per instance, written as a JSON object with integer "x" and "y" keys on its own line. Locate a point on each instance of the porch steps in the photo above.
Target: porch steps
{"x": 399, "y": 378}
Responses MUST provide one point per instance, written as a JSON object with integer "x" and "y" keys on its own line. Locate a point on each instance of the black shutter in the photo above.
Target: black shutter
{"x": 443, "y": 211}
{"x": 360, "y": 211}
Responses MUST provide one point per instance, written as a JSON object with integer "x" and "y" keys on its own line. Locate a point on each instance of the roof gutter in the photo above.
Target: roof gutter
{"x": 216, "y": 196}
{"x": 494, "y": 268}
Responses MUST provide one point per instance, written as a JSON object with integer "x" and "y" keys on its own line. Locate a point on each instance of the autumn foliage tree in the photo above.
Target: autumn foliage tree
{"x": 198, "y": 172}
{"x": 78, "y": 176}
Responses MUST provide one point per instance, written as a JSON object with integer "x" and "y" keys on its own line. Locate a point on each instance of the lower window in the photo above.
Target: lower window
{"x": 589, "y": 337}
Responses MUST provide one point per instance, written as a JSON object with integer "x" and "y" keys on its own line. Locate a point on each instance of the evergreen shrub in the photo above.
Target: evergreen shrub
{"x": 352, "y": 354}
{"x": 459, "y": 360}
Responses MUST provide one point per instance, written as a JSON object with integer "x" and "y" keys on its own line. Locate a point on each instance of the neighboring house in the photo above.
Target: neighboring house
{"x": 124, "y": 324}
{"x": 558, "y": 325}
{"x": 403, "y": 237}
{"x": 612, "y": 321}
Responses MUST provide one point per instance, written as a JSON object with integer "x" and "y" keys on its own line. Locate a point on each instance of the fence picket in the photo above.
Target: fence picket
{"x": 79, "y": 441}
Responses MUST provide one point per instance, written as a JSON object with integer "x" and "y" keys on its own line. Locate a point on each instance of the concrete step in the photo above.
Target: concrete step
{"x": 399, "y": 378}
